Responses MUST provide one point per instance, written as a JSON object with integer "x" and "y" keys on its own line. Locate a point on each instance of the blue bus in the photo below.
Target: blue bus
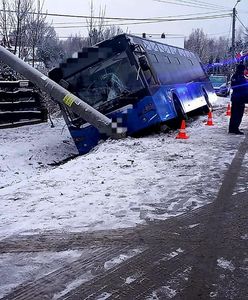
{"x": 138, "y": 83}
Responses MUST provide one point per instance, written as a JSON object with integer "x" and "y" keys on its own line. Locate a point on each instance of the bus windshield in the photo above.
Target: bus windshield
{"x": 108, "y": 80}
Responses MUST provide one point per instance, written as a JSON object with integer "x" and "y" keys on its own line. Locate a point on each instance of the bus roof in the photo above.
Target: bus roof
{"x": 145, "y": 41}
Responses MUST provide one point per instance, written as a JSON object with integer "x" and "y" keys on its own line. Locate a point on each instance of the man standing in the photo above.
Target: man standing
{"x": 239, "y": 97}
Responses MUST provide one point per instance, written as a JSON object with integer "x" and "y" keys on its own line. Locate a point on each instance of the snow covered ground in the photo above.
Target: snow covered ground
{"x": 29, "y": 150}
{"x": 119, "y": 184}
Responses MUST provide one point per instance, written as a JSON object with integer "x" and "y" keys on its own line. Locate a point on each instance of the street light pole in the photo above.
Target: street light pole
{"x": 233, "y": 29}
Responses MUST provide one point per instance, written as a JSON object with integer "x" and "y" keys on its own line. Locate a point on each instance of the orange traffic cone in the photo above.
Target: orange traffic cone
{"x": 210, "y": 119}
{"x": 182, "y": 133}
{"x": 228, "y": 111}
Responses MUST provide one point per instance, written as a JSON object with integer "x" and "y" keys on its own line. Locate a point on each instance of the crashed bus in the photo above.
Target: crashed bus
{"x": 122, "y": 86}
{"x": 138, "y": 83}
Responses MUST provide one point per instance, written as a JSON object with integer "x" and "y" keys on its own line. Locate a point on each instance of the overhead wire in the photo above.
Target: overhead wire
{"x": 202, "y": 3}
{"x": 142, "y": 20}
{"x": 246, "y": 28}
{"x": 198, "y": 3}
{"x": 184, "y": 3}
{"x": 152, "y": 18}
{"x": 103, "y": 17}
{"x": 185, "y": 17}
{"x": 207, "y": 17}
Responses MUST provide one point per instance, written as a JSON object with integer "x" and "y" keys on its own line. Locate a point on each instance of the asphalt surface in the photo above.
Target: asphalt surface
{"x": 199, "y": 255}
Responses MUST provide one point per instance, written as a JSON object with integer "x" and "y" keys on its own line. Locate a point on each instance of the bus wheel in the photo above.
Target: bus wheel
{"x": 181, "y": 115}
{"x": 208, "y": 107}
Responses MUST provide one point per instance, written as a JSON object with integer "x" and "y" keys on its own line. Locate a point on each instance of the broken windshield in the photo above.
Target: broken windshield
{"x": 111, "y": 79}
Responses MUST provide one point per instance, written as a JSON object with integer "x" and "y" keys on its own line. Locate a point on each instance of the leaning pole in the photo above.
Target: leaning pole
{"x": 58, "y": 93}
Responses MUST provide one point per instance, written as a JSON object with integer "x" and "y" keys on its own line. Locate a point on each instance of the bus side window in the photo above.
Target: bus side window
{"x": 167, "y": 59}
{"x": 145, "y": 67}
{"x": 177, "y": 60}
{"x": 149, "y": 77}
{"x": 191, "y": 61}
{"x": 143, "y": 62}
{"x": 154, "y": 58}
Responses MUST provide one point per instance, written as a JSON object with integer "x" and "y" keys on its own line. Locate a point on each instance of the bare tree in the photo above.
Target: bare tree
{"x": 73, "y": 44}
{"x": 5, "y": 23}
{"x": 49, "y": 50}
{"x": 216, "y": 50}
{"x": 96, "y": 26}
{"x": 111, "y": 31}
{"x": 36, "y": 28}
{"x": 198, "y": 43}
{"x": 91, "y": 22}
{"x": 18, "y": 15}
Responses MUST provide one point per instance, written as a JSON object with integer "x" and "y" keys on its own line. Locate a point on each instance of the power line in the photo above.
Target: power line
{"x": 242, "y": 23}
{"x": 184, "y": 3}
{"x": 155, "y": 21}
{"x": 200, "y": 16}
{"x": 199, "y": 4}
{"x": 85, "y": 16}
{"x": 93, "y": 17}
{"x": 143, "y": 20}
{"x": 138, "y": 23}
{"x": 202, "y": 3}
{"x": 185, "y": 17}
{"x": 153, "y": 18}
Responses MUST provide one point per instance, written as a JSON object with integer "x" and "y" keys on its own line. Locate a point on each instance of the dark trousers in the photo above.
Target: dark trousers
{"x": 237, "y": 112}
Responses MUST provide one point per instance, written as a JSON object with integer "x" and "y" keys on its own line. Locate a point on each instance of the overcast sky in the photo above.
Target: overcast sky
{"x": 148, "y": 9}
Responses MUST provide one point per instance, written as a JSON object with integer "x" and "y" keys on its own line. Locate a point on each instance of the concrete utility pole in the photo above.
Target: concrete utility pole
{"x": 58, "y": 93}
{"x": 233, "y": 29}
